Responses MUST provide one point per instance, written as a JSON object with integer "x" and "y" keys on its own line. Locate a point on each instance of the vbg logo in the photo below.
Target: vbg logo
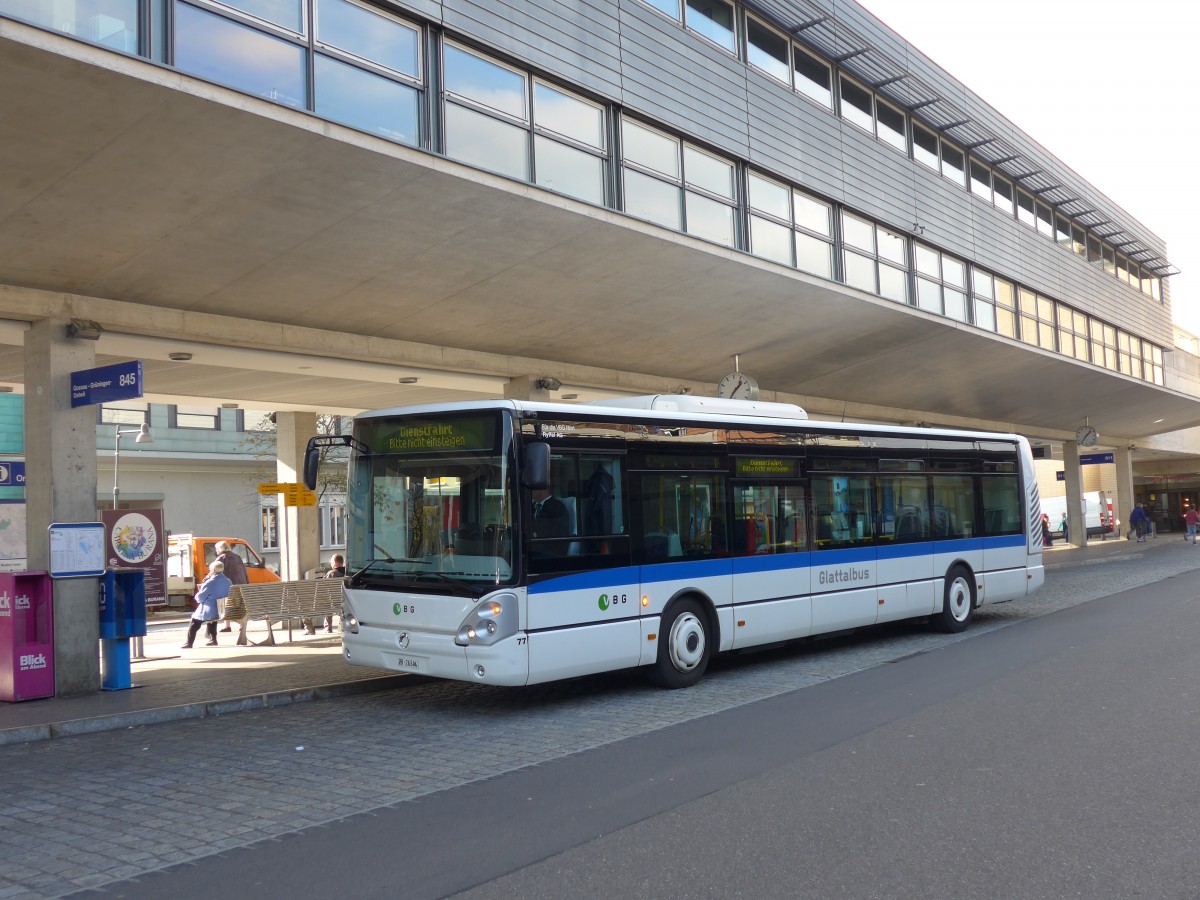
{"x": 606, "y": 601}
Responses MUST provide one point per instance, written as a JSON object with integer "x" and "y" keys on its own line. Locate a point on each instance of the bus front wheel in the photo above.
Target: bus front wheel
{"x": 683, "y": 646}
{"x": 958, "y": 604}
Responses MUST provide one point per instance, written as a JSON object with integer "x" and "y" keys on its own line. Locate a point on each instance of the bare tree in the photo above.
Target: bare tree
{"x": 331, "y": 473}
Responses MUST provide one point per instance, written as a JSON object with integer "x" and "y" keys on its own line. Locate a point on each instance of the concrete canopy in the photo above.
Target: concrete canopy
{"x": 307, "y": 265}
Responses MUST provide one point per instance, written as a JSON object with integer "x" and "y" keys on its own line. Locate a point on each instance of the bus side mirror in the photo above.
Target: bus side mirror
{"x": 312, "y": 460}
{"x": 535, "y": 474}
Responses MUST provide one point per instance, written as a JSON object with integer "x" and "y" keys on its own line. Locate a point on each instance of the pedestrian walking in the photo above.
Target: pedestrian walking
{"x": 338, "y": 571}
{"x": 1063, "y": 527}
{"x": 1191, "y": 519}
{"x": 1139, "y": 524}
{"x": 214, "y": 587}
{"x": 1047, "y": 534}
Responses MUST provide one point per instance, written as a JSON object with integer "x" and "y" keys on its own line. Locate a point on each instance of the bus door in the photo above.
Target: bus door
{"x": 844, "y": 563}
{"x": 769, "y": 545}
{"x": 906, "y": 557}
{"x": 681, "y": 539}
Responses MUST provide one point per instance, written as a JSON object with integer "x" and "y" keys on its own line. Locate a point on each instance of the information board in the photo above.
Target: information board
{"x": 76, "y": 549}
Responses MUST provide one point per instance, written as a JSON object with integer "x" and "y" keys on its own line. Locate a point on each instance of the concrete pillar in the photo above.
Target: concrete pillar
{"x": 60, "y": 487}
{"x": 299, "y": 545}
{"x": 1076, "y": 524}
{"x": 525, "y": 387}
{"x": 1123, "y": 505}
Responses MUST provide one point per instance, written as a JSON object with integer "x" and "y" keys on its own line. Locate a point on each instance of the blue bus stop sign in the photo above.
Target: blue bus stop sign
{"x": 12, "y": 474}
{"x": 106, "y": 384}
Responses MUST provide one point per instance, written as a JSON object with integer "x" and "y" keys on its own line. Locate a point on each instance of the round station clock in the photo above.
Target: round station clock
{"x": 737, "y": 386}
{"x": 1086, "y": 436}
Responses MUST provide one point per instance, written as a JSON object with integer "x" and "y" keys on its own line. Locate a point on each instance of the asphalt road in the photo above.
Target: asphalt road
{"x": 1053, "y": 758}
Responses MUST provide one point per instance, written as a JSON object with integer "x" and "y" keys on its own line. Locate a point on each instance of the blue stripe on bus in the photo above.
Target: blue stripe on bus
{"x": 693, "y": 569}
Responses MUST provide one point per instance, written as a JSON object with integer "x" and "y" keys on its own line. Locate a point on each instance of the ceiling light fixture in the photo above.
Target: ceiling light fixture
{"x": 547, "y": 383}
{"x": 179, "y": 356}
{"x": 408, "y": 379}
{"x": 85, "y": 329}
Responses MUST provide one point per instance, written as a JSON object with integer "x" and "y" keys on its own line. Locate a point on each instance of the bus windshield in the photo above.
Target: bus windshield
{"x": 429, "y": 502}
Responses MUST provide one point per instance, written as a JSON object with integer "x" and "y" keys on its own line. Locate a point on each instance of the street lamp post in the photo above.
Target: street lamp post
{"x": 143, "y": 437}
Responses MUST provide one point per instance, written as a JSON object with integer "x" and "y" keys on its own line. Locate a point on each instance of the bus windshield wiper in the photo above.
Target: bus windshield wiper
{"x": 388, "y": 559}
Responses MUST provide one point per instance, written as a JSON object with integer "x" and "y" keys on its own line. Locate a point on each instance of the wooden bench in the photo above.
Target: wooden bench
{"x": 283, "y": 601}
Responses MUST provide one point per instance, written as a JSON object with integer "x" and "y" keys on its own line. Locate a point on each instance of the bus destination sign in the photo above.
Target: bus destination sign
{"x": 750, "y": 466}
{"x": 447, "y": 435}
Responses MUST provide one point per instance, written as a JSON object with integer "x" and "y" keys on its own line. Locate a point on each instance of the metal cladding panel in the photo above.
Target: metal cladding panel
{"x": 878, "y": 179}
{"x": 794, "y": 139}
{"x": 683, "y": 80}
{"x": 943, "y": 212}
{"x": 575, "y": 41}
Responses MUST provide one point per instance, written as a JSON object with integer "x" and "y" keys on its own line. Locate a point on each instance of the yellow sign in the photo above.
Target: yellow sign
{"x": 293, "y": 494}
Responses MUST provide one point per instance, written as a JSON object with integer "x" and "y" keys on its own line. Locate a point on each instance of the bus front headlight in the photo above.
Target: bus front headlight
{"x": 349, "y": 621}
{"x": 490, "y": 621}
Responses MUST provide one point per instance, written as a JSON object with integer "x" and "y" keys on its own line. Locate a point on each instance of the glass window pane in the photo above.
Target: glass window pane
{"x": 713, "y": 19}
{"x": 929, "y": 295}
{"x": 769, "y": 197}
{"x": 569, "y": 116}
{"x": 892, "y": 247}
{"x": 368, "y": 35}
{"x": 488, "y": 143}
{"x": 890, "y": 125}
{"x": 770, "y": 240}
{"x": 814, "y": 255}
{"x": 653, "y": 200}
{"x": 220, "y": 50}
{"x": 925, "y": 147}
{"x": 670, "y": 7}
{"x": 813, "y": 78}
{"x": 1046, "y": 336}
{"x": 811, "y": 214}
{"x": 1005, "y": 323}
{"x": 1045, "y": 220}
{"x": 981, "y": 284}
{"x": 282, "y": 12}
{"x": 568, "y": 170}
{"x": 1110, "y": 260}
{"x": 1004, "y": 292}
{"x": 111, "y": 23}
{"x": 1062, "y": 230}
{"x": 1078, "y": 240}
{"x": 928, "y": 261}
{"x": 858, "y": 233}
{"x": 1029, "y": 330}
{"x": 956, "y": 304}
{"x": 860, "y": 271}
{"x": 1025, "y": 209}
{"x": 985, "y": 315}
{"x": 1028, "y": 301}
{"x": 1002, "y": 194}
{"x": 981, "y": 181}
{"x": 707, "y": 172}
{"x": 365, "y": 101}
{"x": 893, "y": 283}
{"x": 484, "y": 82}
{"x": 650, "y": 149}
{"x": 767, "y": 50}
{"x": 856, "y": 105}
{"x": 953, "y": 163}
{"x": 1093, "y": 249}
{"x": 709, "y": 219}
{"x": 954, "y": 271}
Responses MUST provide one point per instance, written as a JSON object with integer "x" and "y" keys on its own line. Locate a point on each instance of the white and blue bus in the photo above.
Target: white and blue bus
{"x": 680, "y": 527}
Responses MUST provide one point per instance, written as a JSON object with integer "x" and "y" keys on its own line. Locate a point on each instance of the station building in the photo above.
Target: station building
{"x": 334, "y": 205}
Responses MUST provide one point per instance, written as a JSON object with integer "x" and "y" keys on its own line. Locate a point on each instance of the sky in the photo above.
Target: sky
{"x": 1111, "y": 89}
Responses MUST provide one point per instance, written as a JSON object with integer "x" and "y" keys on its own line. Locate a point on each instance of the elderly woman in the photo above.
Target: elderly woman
{"x": 213, "y": 588}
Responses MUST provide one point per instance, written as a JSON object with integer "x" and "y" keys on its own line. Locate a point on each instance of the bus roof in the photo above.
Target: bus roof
{"x": 686, "y": 408}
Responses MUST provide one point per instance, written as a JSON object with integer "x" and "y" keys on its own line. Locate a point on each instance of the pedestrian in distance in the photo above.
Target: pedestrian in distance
{"x": 214, "y": 587}
{"x": 1139, "y": 524}
{"x": 235, "y": 571}
{"x": 1191, "y": 519}
{"x": 1063, "y": 527}
{"x": 1047, "y": 534}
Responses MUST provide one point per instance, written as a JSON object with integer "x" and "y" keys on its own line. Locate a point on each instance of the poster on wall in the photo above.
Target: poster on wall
{"x": 137, "y": 540}
{"x": 12, "y": 536}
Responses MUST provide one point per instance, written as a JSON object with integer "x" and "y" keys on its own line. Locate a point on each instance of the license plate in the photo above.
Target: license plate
{"x": 412, "y": 663}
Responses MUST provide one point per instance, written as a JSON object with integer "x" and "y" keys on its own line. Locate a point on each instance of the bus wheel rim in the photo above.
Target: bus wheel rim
{"x": 687, "y": 642}
{"x": 960, "y": 599}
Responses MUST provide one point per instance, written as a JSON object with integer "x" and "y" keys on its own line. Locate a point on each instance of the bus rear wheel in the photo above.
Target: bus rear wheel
{"x": 958, "y": 605}
{"x": 683, "y": 646}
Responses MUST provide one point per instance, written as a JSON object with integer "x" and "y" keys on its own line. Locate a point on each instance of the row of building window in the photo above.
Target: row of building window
{"x": 331, "y": 524}
{"x": 203, "y": 418}
{"x": 368, "y": 72}
{"x": 781, "y": 58}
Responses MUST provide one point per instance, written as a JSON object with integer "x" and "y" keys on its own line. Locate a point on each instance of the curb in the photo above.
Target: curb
{"x": 200, "y": 710}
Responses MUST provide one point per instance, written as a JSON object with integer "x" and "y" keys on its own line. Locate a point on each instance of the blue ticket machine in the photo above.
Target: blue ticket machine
{"x": 122, "y": 616}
